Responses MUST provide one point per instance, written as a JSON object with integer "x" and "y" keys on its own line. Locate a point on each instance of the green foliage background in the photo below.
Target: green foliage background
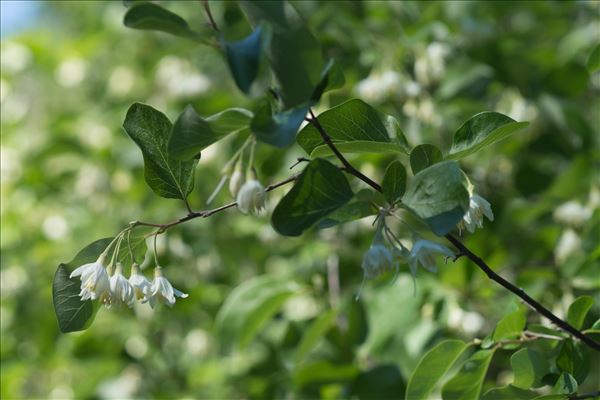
{"x": 70, "y": 176}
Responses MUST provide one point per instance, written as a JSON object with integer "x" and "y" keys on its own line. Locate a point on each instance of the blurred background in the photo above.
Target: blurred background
{"x": 70, "y": 70}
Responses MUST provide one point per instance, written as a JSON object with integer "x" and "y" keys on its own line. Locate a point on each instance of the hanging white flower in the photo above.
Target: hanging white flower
{"x": 162, "y": 291}
{"x": 121, "y": 290}
{"x": 236, "y": 181}
{"x": 94, "y": 280}
{"x": 141, "y": 285}
{"x": 473, "y": 218}
{"x": 377, "y": 260}
{"x": 251, "y": 197}
{"x": 423, "y": 252}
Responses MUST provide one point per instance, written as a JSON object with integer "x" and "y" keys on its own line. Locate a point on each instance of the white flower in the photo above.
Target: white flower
{"x": 236, "y": 181}
{"x": 141, "y": 285}
{"x": 473, "y": 218}
{"x": 121, "y": 290}
{"x": 568, "y": 244}
{"x": 572, "y": 213}
{"x": 162, "y": 290}
{"x": 94, "y": 281}
{"x": 422, "y": 253}
{"x": 251, "y": 197}
{"x": 377, "y": 260}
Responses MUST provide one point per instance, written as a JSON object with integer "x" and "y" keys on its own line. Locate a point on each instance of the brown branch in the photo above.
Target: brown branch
{"x": 213, "y": 24}
{"x": 205, "y": 213}
{"x": 464, "y": 251}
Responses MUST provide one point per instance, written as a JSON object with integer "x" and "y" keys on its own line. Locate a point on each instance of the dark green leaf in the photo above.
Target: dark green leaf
{"x": 510, "y": 326}
{"x": 249, "y": 307}
{"x": 578, "y": 310}
{"x": 467, "y": 383}
{"x": 151, "y": 130}
{"x": 432, "y": 367}
{"x": 381, "y": 382}
{"x": 593, "y": 62}
{"x": 349, "y": 212}
{"x": 438, "y": 196}
{"x": 277, "y": 129}
{"x": 480, "y": 131}
{"x": 321, "y": 189}
{"x": 529, "y": 367}
{"x": 574, "y": 359}
{"x": 394, "y": 182}
{"x": 423, "y": 156}
{"x": 243, "y": 58}
{"x": 332, "y": 77}
{"x": 192, "y": 133}
{"x": 509, "y": 393}
{"x": 360, "y": 147}
{"x": 348, "y": 122}
{"x": 149, "y": 16}
{"x": 72, "y": 313}
{"x": 565, "y": 384}
{"x": 314, "y": 334}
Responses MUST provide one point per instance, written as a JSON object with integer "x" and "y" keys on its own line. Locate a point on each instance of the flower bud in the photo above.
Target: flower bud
{"x": 251, "y": 197}
{"x": 235, "y": 183}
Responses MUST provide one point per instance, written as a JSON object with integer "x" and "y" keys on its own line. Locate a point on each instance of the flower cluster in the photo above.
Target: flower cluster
{"x": 113, "y": 288}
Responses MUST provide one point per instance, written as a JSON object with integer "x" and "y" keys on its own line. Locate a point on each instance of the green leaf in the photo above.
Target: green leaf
{"x": 438, "y": 195}
{"x": 529, "y": 367}
{"x": 321, "y": 189}
{"x": 467, "y": 383}
{"x": 359, "y": 147}
{"x": 480, "y": 131}
{"x": 243, "y": 58}
{"x": 149, "y": 16}
{"x": 423, "y": 156}
{"x": 192, "y": 133}
{"x": 510, "y": 326}
{"x": 509, "y": 393}
{"x": 349, "y": 212}
{"x": 277, "y": 129}
{"x": 574, "y": 359}
{"x": 395, "y": 133}
{"x": 72, "y": 313}
{"x": 593, "y": 62}
{"x": 348, "y": 122}
{"x": 380, "y": 382}
{"x": 393, "y": 184}
{"x": 151, "y": 130}
{"x": 565, "y": 384}
{"x": 249, "y": 307}
{"x": 578, "y": 310}
{"x": 432, "y": 367}
{"x": 332, "y": 77}
{"x": 322, "y": 372}
{"x": 314, "y": 334}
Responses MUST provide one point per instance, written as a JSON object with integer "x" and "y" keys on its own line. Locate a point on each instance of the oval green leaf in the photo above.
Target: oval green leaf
{"x": 192, "y": 133}
{"x": 438, "y": 196}
{"x": 149, "y": 16}
{"x": 529, "y": 367}
{"x": 243, "y": 58}
{"x": 393, "y": 184}
{"x": 277, "y": 129}
{"x": 480, "y": 131}
{"x": 151, "y": 131}
{"x": 348, "y": 122}
{"x": 321, "y": 189}
{"x": 314, "y": 334}
{"x": 432, "y": 367}
{"x": 467, "y": 383}
{"x": 72, "y": 313}
{"x": 578, "y": 310}
{"x": 510, "y": 326}
{"x": 423, "y": 156}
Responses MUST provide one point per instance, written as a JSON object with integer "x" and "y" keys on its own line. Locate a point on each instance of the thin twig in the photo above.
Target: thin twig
{"x": 591, "y": 395}
{"x": 213, "y": 24}
{"x": 349, "y": 168}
